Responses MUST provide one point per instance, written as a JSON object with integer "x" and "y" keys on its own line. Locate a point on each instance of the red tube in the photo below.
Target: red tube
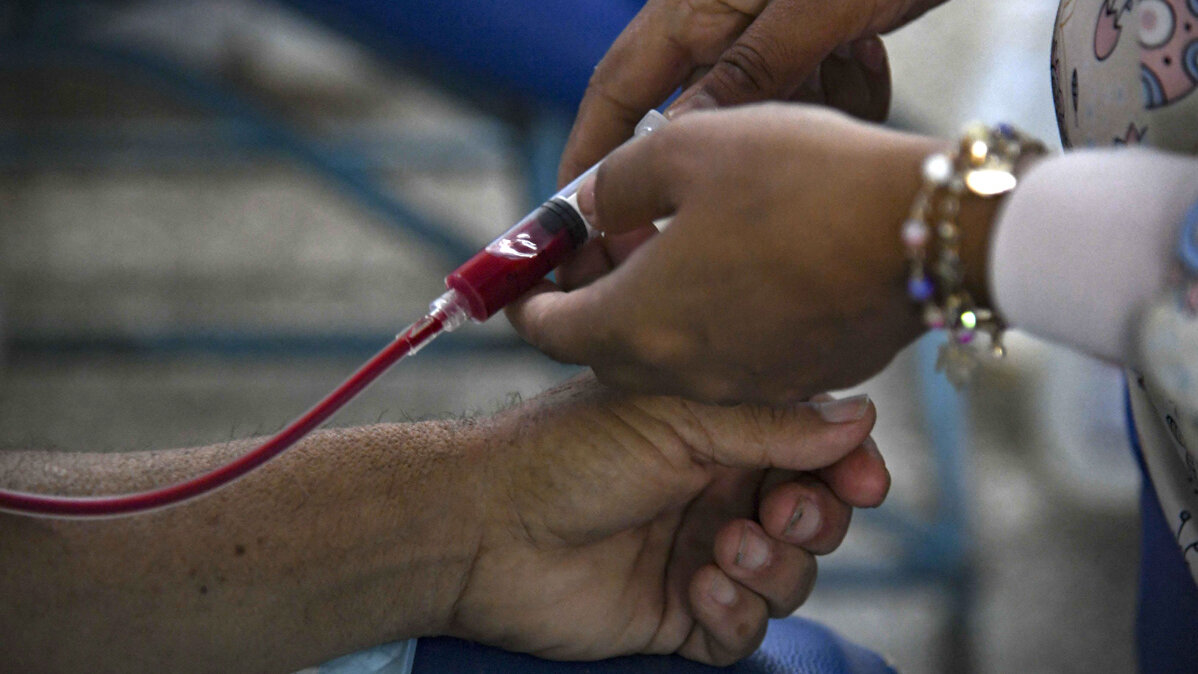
{"x": 411, "y": 339}
{"x": 490, "y": 280}
{"x": 502, "y": 272}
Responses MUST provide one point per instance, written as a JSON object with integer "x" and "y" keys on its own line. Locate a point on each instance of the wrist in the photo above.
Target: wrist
{"x": 408, "y": 502}
{"x": 948, "y": 232}
{"x": 974, "y": 220}
{"x": 947, "y": 238}
{"x": 977, "y": 221}
{"x": 904, "y": 161}
{"x": 452, "y": 507}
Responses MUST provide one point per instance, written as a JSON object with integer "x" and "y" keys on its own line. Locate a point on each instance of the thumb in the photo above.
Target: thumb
{"x": 805, "y": 436}
{"x": 634, "y": 185}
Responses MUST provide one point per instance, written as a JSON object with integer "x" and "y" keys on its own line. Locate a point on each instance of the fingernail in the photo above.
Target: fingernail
{"x": 803, "y": 522}
{"x": 699, "y": 101}
{"x": 842, "y": 411}
{"x": 721, "y": 591}
{"x": 754, "y": 552}
{"x": 844, "y": 51}
{"x": 871, "y": 54}
{"x": 586, "y": 198}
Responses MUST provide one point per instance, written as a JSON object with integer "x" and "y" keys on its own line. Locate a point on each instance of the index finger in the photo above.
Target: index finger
{"x": 660, "y": 50}
{"x": 639, "y": 71}
{"x": 774, "y": 54}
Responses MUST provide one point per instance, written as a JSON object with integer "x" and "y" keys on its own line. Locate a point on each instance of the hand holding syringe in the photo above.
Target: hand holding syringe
{"x": 517, "y": 260}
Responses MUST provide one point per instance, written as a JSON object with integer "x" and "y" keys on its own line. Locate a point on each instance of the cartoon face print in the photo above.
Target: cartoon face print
{"x": 1169, "y": 49}
{"x": 1110, "y": 26}
{"x": 1095, "y": 73}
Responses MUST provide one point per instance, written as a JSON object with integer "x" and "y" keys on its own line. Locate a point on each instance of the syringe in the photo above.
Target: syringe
{"x": 513, "y": 263}
{"x": 503, "y": 271}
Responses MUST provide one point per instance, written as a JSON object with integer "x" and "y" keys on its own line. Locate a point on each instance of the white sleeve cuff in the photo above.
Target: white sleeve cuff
{"x": 1085, "y": 240}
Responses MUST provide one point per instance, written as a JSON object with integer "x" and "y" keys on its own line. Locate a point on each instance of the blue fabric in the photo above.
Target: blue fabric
{"x": 392, "y": 658}
{"x": 791, "y": 645}
{"x": 1167, "y": 611}
{"x": 541, "y": 49}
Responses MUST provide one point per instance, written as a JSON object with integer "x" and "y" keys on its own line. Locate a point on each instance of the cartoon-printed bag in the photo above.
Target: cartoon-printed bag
{"x": 1125, "y": 73}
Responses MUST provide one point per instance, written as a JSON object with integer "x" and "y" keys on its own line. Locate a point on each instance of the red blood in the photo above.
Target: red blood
{"x": 512, "y": 264}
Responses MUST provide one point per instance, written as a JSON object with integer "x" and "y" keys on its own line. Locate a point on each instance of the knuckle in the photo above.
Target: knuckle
{"x": 745, "y": 71}
{"x": 767, "y": 420}
{"x": 600, "y": 89}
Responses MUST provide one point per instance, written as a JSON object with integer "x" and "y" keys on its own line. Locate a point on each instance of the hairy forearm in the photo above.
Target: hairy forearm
{"x": 354, "y": 537}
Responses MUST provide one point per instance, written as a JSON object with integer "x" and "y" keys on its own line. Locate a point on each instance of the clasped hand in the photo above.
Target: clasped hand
{"x": 624, "y": 524}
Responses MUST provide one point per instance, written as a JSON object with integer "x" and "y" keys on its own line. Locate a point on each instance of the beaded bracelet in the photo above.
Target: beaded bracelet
{"x": 983, "y": 166}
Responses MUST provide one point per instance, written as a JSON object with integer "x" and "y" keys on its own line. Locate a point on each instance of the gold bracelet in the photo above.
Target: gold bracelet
{"x": 983, "y": 166}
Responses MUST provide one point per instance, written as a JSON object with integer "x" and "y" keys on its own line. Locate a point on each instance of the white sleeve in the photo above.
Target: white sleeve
{"x": 1084, "y": 240}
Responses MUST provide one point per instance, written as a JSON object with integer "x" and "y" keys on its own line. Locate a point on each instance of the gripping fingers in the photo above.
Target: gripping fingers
{"x": 805, "y": 513}
{"x": 599, "y": 256}
{"x": 730, "y": 620}
{"x": 859, "y": 479}
{"x": 781, "y": 573}
{"x": 766, "y": 61}
{"x": 638, "y": 72}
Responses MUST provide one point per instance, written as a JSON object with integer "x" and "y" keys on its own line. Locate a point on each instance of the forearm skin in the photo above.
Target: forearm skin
{"x": 353, "y": 538}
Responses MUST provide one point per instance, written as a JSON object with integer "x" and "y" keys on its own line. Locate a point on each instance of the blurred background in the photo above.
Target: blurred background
{"x": 211, "y": 212}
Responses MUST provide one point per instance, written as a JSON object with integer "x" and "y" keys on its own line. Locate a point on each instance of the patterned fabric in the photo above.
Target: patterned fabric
{"x": 1124, "y": 73}
{"x": 1167, "y": 606}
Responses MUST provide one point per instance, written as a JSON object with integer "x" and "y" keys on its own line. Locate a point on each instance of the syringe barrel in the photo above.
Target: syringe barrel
{"x": 517, "y": 260}
{"x": 652, "y": 121}
{"x": 513, "y": 263}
